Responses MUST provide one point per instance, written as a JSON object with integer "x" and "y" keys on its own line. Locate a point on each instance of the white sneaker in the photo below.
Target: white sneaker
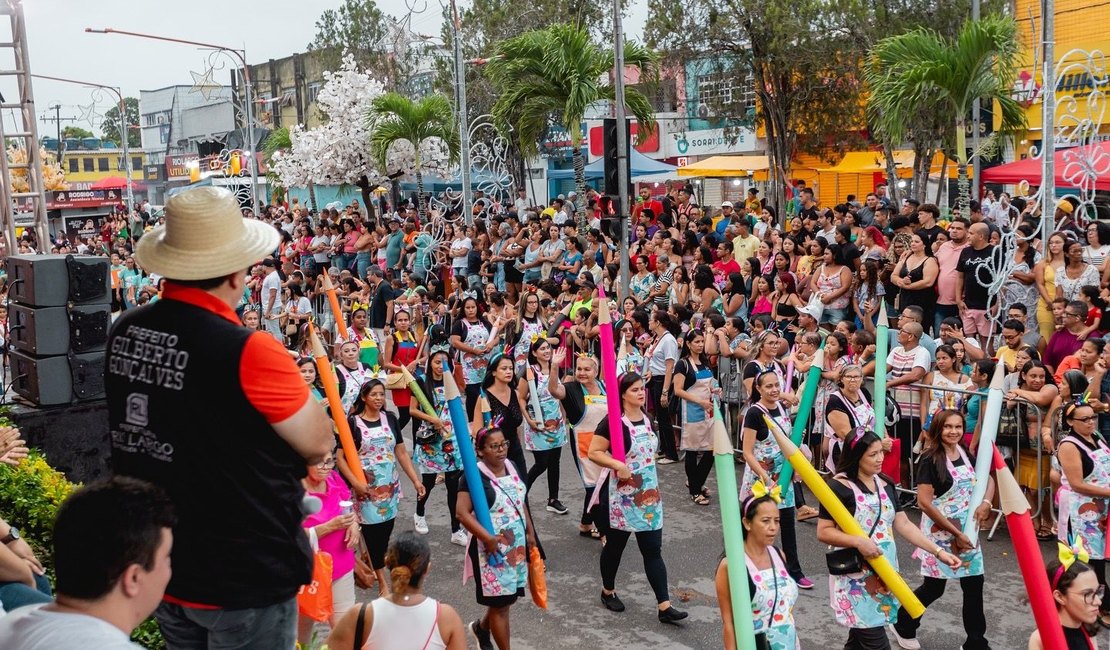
{"x": 420, "y": 524}
{"x": 458, "y": 537}
{"x": 905, "y": 644}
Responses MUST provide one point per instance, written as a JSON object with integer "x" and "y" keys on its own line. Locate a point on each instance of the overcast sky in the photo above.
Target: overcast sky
{"x": 268, "y": 29}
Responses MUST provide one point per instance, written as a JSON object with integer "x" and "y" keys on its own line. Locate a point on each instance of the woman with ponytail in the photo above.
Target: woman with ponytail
{"x": 1078, "y": 596}
{"x": 406, "y": 619}
{"x": 773, "y": 591}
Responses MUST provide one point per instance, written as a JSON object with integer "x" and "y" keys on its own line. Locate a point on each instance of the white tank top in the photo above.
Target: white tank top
{"x": 404, "y": 628}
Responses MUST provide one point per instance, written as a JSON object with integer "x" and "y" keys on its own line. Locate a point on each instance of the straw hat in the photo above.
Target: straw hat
{"x": 205, "y": 236}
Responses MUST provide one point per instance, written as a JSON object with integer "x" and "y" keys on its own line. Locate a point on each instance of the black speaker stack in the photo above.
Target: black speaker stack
{"x": 58, "y": 320}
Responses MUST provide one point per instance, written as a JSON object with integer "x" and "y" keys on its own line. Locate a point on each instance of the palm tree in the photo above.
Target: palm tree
{"x": 556, "y": 73}
{"x": 393, "y": 118}
{"x": 279, "y": 140}
{"x": 922, "y": 69}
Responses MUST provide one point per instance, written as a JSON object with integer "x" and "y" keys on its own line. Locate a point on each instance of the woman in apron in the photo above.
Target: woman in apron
{"x": 307, "y": 368}
{"x": 631, "y": 500}
{"x": 764, "y": 461}
{"x": 1078, "y": 597}
{"x": 498, "y": 562}
{"x": 1085, "y": 487}
{"x": 470, "y": 335}
{"x": 773, "y": 591}
{"x": 945, "y": 480}
{"x": 435, "y": 448}
{"x": 382, "y": 452}
{"x": 352, "y": 374}
{"x": 584, "y": 403}
{"x": 848, "y": 413}
{"x": 368, "y": 351}
{"x": 860, "y": 601}
{"x": 530, "y": 324}
{"x": 402, "y": 348}
{"x": 629, "y": 357}
{"x": 695, "y": 386}
{"x": 545, "y": 435}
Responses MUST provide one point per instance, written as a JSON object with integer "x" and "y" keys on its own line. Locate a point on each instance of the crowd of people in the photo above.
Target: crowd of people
{"x": 726, "y": 308}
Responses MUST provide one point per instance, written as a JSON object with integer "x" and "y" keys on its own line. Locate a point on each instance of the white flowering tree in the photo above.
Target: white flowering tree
{"x": 334, "y": 153}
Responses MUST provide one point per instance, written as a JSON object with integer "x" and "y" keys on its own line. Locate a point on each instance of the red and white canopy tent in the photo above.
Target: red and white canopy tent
{"x": 1086, "y": 167}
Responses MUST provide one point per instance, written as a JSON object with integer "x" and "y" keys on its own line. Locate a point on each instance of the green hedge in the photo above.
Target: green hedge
{"x": 30, "y": 495}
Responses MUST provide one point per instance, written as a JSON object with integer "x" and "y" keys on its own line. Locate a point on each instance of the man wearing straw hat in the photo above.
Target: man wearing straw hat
{"x": 218, "y": 416}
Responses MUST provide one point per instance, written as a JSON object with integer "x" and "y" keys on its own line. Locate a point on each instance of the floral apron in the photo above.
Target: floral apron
{"x": 862, "y": 418}
{"x": 856, "y": 598}
{"x": 474, "y": 365}
{"x": 635, "y": 505}
{"x": 556, "y": 434}
{"x": 506, "y": 572}
{"x": 352, "y": 384}
{"x": 443, "y": 454}
{"x": 1083, "y": 518}
{"x": 382, "y": 475}
{"x": 773, "y": 602}
{"x": 769, "y": 455}
{"x": 631, "y": 362}
{"x": 697, "y": 430}
{"x": 596, "y": 408}
{"x": 955, "y": 504}
{"x": 404, "y": 353}
{"x": 528, "y": 331}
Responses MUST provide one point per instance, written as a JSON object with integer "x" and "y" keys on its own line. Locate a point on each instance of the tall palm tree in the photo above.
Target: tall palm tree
{"x": 556, "y": 73}
{"x": 393, "y": 118}
{"x": 924, "y": 69}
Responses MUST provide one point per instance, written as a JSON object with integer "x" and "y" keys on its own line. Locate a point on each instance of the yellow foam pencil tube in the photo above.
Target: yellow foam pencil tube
{"x": 846, "y": 521}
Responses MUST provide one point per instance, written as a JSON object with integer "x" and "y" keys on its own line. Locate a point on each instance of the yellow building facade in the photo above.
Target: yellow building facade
{"x": 90, "y": 166}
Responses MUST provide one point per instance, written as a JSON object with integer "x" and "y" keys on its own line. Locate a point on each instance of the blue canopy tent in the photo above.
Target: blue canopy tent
{"x": 641, "y": 166}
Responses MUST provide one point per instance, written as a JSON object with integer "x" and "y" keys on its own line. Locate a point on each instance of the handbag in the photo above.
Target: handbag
{"x": 314, "y": 600}
{"x": 364, "y": 572}
{"x": 846, "y": 561}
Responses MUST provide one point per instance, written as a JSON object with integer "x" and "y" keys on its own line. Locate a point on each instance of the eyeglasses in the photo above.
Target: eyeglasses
{"x": 852, "y": 377}
{"x": 1068, "y": 313}
{"x": 1089, "y": 418}
{"x": 327, "y": 464}
{"x": 498, "y": 446}
{"x": 1091, "y": 595}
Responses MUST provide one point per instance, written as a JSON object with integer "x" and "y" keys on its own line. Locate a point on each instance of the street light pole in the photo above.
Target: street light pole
{"x": 124, "y": 128}
{"x": 976, "y": 163}
{"x": 464, "y": 127}
{"x": 248, "y": 93}
{"x": 619, "y": 113}
{"x": 1048, "y": 118}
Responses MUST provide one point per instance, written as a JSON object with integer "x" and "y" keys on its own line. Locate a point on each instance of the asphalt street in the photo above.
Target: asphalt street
{"x": 575, "y": 617}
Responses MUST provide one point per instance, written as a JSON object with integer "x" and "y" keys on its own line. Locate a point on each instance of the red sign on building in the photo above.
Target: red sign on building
{"x": 597, "y": 141}
{"x": 82, "y": 198}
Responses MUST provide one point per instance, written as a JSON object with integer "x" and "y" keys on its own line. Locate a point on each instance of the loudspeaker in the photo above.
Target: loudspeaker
{"x": 58, "y": 330}
{"x": 57, "y": 280}
{"x": 61, "y": 379}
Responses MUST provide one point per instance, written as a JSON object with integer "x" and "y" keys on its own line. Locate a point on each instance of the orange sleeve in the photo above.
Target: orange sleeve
{"x": 1070, "y": 362}
{"x": 270, "y": 378}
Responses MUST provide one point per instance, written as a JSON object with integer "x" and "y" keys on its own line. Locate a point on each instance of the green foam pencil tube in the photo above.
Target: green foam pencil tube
{"x": 813, "y": 377}
{"x": 882, "y": 346}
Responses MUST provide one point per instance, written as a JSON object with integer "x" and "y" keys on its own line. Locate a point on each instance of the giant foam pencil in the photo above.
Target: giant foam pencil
{"x": 466, "y": 449}
{"x": 609, "y": 374}
{"x": 331, "y": 390}
{"x": 725, "y": 467}
{"x": 1016, "y": 509}
{"x": 805, "y": 406}
{"x": 987, "y": 435}
{"x": 845, "y": 521}
{"x": 333, "y": 300}
{"x": 882, "y": 346}
{"x": 534, "y": 397}
{"x": 421, "y": 398}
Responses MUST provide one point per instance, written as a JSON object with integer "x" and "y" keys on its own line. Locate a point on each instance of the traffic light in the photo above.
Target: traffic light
{"x": 609, "y": 136}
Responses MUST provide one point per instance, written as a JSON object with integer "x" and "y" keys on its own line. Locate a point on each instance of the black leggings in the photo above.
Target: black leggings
{"x": 867, "y": 638}
{"x": 975, "y": 622}
{"x": 790, "y": 542}
{"x": 663, "y": 419}
{"x": 546, "y": 461}
{"x": 473, "y": 392}
{"x": 377, "y": 541}
{"x": 404, "y": 416}
{"x": 451, "y": 480}
{"x": 698, "y": 465}
{"x": 651, "y": 548}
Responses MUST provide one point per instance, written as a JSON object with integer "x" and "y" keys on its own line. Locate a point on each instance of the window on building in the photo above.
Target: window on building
{"x": 87, "y": 164}
{"x": 136, "y": 162}
{"x": 102, "y": 164}
{"x": 725, "y": 92}
{"x": 313, "y": 90}
{"x": 74, "y": 165}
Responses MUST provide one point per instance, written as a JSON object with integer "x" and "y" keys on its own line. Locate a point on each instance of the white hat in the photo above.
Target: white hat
{"x": 809, "y": 311}
{"x": 205, "y": 236}
{"x": 726, "y": 204}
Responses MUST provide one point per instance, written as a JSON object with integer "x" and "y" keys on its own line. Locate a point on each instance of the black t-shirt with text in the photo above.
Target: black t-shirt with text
{"x": 975, "y": 265}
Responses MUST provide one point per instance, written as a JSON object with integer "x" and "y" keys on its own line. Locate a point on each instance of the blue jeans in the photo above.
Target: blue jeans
{"x": 17, "y": 594}
{"x": 262, "y": 628}
{"x": 362, "y": 263}
{"x": 340, "y": 261}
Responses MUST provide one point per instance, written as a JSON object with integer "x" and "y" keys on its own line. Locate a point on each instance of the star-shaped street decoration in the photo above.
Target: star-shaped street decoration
{"x": 204, "y": 84}
{"x": 90, "y": 115}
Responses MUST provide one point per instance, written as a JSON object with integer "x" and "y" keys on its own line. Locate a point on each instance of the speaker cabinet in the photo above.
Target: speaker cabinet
{"x": 56, "y": 380}
{"x": 58, "y": 330}
{"x": 57, "y": 280}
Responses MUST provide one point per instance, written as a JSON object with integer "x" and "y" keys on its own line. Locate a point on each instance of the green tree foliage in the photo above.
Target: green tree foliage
{"x": 556, "y": 74}
{"x": 76, "y": 132}
{"x": 111, "y": 123}
{"x": 923, "y": 67}
{"x": 364, "y": 30}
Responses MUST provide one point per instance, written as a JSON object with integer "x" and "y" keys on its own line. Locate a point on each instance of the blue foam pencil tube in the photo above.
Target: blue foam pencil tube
{"x": 466, "y": 450}
{"x": 984, "y": 456}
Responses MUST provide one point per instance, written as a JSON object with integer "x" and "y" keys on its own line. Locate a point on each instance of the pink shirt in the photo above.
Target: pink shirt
{"x": 343, "y": 559}
{"x": 948, "y": 255}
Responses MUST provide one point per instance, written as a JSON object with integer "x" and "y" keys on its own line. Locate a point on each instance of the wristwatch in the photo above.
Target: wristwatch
{"x": 13, "y": 535}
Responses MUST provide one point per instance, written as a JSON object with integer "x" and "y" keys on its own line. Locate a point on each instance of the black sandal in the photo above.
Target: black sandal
{"x": 591, "y": 533}
{"x": 700, "y": 499}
